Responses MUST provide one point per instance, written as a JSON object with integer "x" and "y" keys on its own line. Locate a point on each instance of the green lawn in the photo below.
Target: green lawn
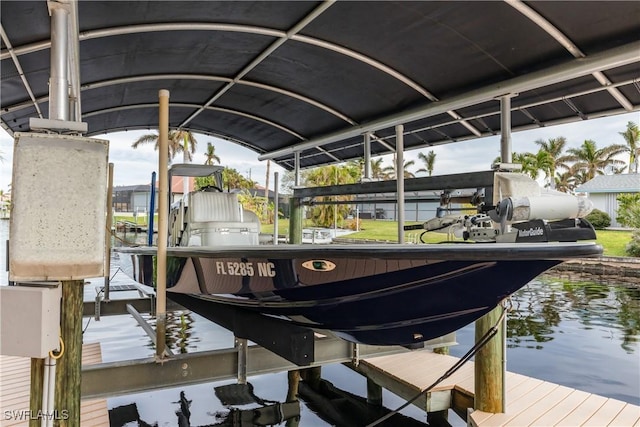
{"x": 613, "y": 242}
{"x": 140, "y": 219}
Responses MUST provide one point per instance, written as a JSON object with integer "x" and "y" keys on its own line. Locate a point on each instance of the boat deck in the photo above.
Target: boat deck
{"x": 15, "y": 380}
{"x": 530, "y": 401}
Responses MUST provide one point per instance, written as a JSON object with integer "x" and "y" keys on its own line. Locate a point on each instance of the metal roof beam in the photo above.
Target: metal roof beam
{"x": 568, "y": 44}
{"x": 188, "y": 105}
{"x": 179, "y": 76}
{"x": 264, "y": 55}
{"x": 16, "y": 63}
{"x": 616, "y": 57}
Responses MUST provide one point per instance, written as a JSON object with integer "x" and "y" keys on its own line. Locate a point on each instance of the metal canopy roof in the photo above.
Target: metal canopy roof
{"x": 313, "y": 77}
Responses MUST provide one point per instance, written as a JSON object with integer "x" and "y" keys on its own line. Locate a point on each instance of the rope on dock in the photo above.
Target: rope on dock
{"x": 464, "y": 359}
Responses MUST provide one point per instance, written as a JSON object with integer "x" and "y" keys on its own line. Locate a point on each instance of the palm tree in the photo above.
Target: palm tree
{"x": 554, "y": 147}
{"x": 564, "y": 182}
{"x": 543, "y": 161}
{"x": 211, "y": 154}
{"x": 593, "y": 160}
{"x": 377, "y": 171}
{"x": 632, "y": 138}
{"x": 391, "y": 170}
{"x": 178, "y": 140}
{"x": 429, "y": 160}
{"x": 326, "y": 215}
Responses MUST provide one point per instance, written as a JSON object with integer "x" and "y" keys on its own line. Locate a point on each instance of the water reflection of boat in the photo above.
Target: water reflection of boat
{"x": 255, "y": 411}
{"x": 374, "y": 294}
{"x": 261, "y": 413}
{"x": 340, "y": 408}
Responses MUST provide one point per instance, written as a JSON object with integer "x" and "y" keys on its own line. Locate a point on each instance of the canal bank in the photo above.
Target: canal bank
{"x": 606, "y": 268}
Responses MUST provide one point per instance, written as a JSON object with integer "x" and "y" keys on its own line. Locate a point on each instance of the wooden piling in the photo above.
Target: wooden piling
{"x": 489, "y": 367}
{"x": 374, "y": 393}
{"x": 312, "y": 376}
{"x": 293, "y": 381}
{"x": 68, "y": 367}
{"x": 293, "y": 378}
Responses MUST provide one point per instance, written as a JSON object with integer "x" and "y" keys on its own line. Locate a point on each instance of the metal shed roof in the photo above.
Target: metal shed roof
{"x": 619, "y": 183}
{"x": 313, "y": 77}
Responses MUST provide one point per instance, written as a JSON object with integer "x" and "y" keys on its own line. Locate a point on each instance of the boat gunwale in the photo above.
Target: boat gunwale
{"x": 442, "y": 251}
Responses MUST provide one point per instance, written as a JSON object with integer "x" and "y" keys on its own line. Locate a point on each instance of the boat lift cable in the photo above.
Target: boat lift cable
{"x": 464, "y": 359}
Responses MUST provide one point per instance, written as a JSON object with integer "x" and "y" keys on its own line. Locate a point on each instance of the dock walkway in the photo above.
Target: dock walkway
{"x": 15, "y": 380}
{"x": 530, "y": 401}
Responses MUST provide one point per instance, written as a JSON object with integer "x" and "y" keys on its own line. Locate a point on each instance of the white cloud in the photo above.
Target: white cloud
{"x": 135, "y": 166}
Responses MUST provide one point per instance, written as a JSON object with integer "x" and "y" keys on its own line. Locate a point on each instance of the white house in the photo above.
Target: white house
{"x": 603, "y": 191}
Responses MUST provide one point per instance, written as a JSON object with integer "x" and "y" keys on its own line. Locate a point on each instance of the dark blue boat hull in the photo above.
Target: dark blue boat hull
{"x": 404, "y": 305}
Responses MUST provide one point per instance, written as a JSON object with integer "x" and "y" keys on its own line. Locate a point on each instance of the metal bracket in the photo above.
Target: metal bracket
{"x": 57, "y": 126}
{"x": 292, "y": 342}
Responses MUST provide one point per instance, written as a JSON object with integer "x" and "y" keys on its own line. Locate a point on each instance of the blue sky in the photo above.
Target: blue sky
{"x": 135, "y": 166}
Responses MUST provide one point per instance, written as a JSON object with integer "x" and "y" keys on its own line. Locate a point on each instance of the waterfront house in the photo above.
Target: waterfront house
{"x": 136, "y": 198}
{"x": 603, "y": 191}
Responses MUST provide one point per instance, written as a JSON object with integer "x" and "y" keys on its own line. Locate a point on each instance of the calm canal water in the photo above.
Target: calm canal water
{"x": 578, "y": 333}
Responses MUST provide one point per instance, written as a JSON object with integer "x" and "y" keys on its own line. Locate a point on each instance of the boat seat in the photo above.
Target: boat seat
{"x": 207, "y": 206}
{"x": 216, "y": 219}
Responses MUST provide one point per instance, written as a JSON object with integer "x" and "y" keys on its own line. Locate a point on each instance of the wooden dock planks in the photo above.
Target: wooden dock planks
{"x": 530, "y": 401}
{"x": 15, "y": 380}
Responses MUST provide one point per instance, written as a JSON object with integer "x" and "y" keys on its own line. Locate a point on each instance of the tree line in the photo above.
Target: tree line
{"x": 567, "y": 168}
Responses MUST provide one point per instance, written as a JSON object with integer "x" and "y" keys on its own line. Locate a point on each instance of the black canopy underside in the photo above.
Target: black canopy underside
{"x": 313, "y": 77}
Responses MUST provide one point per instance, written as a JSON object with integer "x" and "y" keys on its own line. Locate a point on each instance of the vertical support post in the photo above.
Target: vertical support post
{"x": 241, "y": 346}
{"x": 296, "y": 170}
{"x": 107, "y": 240}
{"x": 152, "y": 209}
{"x": 505, "y": 129}
{"x": 489, "y": 366}
{"x": 58, "y": 82}
{"x": 367, "y": 156}
{"x": 400, "y": 180}
{"x": 276, "y": 207}
{"x": 295, "y": 221}
{"x": 374, "y": 393}
{"x": 68, "y": 372}
{"x": 163, "y": 215}
{"x": 293, "y": 380}
{"x": 75, "y": 104}
{"x": 490, "y": 362}
{"x": 295, "y": 210}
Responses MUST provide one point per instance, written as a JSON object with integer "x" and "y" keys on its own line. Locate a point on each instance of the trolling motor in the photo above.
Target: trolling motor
{"x": 477, "y": 227}
{"x": 521, "y": 212}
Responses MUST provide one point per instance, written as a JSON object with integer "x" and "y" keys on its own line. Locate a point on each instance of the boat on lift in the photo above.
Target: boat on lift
{"x": 383, "y": 294}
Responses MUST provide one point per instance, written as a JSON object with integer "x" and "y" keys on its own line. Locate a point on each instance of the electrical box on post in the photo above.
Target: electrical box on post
{"x": 58, "y": 207}
{"x": 29, "y": 320}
